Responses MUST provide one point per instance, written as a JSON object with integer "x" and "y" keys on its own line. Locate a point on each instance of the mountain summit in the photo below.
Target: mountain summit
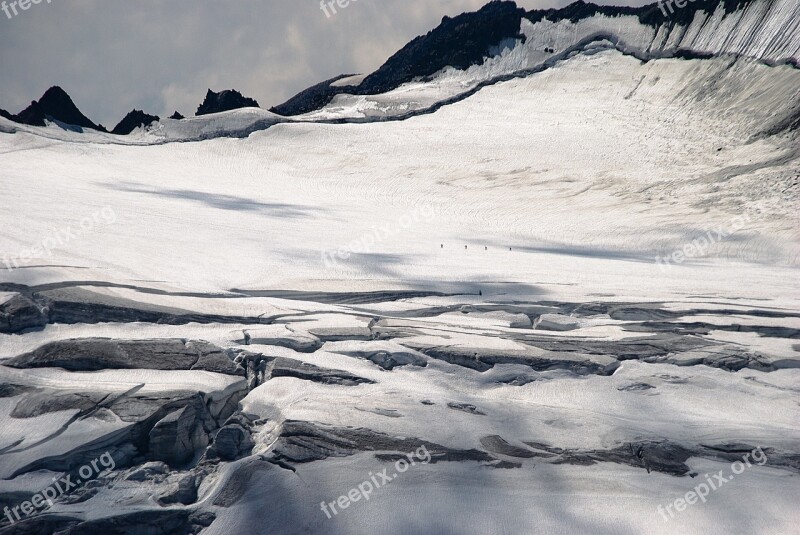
{"x": 227, "y": 100}
{"x": 55, "y": 105}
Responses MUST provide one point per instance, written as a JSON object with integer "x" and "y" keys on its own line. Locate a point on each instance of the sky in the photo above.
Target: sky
{"x": 162, "y": 55}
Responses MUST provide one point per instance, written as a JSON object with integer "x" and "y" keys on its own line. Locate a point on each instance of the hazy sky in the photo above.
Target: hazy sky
{"x": 162, "y": 55}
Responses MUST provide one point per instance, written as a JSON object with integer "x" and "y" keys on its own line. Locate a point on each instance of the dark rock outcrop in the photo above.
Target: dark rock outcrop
{"x": 7, "y": 115}
{"x": 56, "y": 105}
{"x": 458, "y": 42}
{"x": 313, "y": 98}
{"x": 177, "y": 116}
{"x": 650, "y": 14}
{"x": 132, "y": 121}
{"x": 227, "y": 100}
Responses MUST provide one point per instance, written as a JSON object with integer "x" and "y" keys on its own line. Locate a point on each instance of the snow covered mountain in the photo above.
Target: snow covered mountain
{"x": 544, "y": 282}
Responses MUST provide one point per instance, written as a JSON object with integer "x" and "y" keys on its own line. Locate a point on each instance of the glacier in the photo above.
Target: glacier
{"x": 283, "y": 307}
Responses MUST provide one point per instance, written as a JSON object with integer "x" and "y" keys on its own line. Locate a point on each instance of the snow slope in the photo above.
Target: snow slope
{"x": 655, "y": 155}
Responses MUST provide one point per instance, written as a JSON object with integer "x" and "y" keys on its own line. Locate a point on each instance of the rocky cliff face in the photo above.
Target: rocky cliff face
{"x": 513, "y": 40}
{"x": 134, "y": 120}
{"x": 55, "y": 105}
{"x": 227, "y": 100}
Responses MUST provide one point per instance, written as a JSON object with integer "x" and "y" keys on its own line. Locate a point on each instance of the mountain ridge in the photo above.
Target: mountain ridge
{"x": 500, "y": 28}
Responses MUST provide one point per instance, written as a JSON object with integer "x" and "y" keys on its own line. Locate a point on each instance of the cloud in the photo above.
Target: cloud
{"x": 114, "y": 55}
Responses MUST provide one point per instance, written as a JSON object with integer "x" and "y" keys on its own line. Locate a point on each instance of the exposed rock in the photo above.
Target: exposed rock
{"x": 132, "y": 121}
{"x": 458, "y": 42}
{"x": 650, "y": 14}
{"x": 56, "y": 105}
{"x": 227, "y": 100}
{"x": 313, "y": 98}
{"x": 177, "y": 116}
